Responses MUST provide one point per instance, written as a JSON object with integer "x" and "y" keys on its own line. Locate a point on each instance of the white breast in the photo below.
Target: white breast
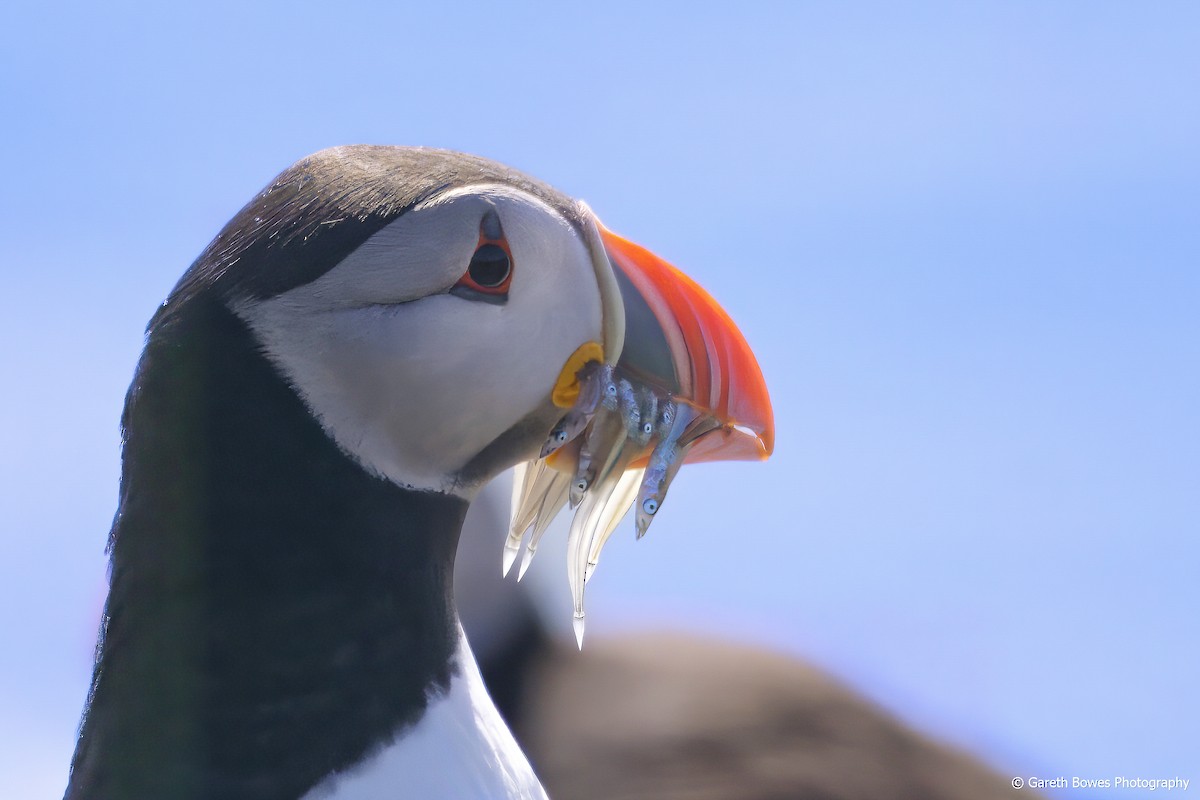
{"x": 459, "y": 750}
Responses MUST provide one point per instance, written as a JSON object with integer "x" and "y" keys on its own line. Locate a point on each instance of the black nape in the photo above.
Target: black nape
{"x": 275, "y": 612}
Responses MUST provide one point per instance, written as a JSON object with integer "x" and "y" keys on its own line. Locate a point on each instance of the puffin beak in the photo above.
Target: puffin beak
{"x": 679, "y": 339}
{"x": 664, "y": 339}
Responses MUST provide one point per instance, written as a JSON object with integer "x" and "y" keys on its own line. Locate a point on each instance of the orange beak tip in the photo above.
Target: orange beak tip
{"x": 679, "y": 338}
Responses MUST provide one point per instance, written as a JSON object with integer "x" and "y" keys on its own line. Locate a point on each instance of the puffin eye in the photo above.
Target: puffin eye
{"x": 490, "y": 270}
{"x": 490, "y": 267}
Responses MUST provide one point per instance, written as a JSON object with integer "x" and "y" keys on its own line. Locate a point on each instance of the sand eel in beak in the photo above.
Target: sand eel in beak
{"x": 686, "y": 387}
{"x": 366, "y": 344}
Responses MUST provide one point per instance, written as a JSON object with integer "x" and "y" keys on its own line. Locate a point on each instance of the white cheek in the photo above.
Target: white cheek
{"x": 415, "y": 390}
{"x": 420, "y": 389}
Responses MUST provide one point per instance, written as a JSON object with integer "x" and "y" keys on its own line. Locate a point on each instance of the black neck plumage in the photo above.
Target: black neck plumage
{"x": 275, "y": 612}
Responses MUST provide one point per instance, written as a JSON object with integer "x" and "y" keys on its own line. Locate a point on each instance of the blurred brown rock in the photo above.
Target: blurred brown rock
{"x": 674, "y": 717}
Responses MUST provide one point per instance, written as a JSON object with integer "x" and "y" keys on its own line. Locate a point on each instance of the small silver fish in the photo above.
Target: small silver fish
{"x": 567, "y": 429}
{"x": 651, "y": 419}
{"x": 584, "y": 473}
{"x": 605, "y": 437}
{"x": 609, "y": 392}
{"x": 664, "y": 463}
{"x": 598, "y": 437}
{"x": 628, "y": 408}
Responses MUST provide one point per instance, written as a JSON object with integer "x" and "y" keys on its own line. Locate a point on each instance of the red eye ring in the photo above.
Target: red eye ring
{"x": 491, "y": 268}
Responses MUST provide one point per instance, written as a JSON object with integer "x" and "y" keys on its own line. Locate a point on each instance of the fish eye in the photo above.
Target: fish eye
{"x": 650, "y": 506}
{"x": 647, "y": 428}
{"x": 611, "y": 390}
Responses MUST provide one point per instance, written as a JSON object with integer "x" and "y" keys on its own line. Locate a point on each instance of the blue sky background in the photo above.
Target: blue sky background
{"x": 964, "y": 240}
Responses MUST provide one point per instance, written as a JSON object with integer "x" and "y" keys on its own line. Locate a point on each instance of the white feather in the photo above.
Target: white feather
{"x": 459, "y": 750}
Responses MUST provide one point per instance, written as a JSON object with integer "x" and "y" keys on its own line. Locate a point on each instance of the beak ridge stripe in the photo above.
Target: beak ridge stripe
{"x": 716, "y": 368}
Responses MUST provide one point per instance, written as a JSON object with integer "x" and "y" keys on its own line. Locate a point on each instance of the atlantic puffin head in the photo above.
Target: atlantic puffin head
{"x": 363, "y": 346}
{"x": 424, "y": 304}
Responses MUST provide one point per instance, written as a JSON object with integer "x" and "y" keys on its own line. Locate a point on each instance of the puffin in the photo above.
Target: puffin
{"x": 365, "y": 345}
